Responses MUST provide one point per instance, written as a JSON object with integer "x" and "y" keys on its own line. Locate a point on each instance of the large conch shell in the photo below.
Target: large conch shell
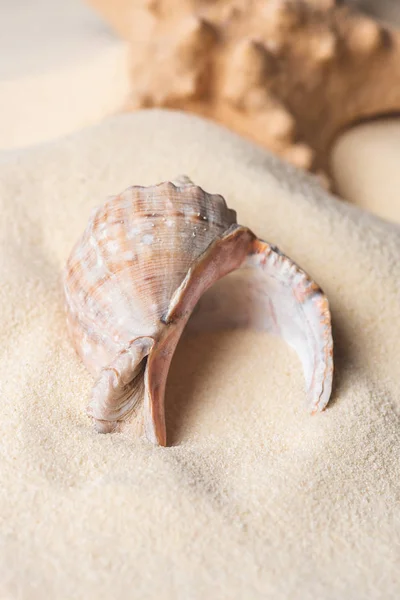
{"x": 138, "y": 271}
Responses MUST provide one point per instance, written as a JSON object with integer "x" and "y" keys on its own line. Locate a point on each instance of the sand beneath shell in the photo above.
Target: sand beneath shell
{"x": 254, "y": 498}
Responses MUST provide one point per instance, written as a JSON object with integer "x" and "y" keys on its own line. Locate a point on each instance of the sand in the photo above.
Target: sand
{"x": 254, "y": 498}
{"x": 365, "y": 167}
{"x": 61, "y": 68}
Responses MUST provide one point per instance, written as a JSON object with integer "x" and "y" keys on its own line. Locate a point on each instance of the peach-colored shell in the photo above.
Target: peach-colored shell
{"x": 134, "y": 253}
{"x": 134, "y": 277}
{"x": 288, "y": 74}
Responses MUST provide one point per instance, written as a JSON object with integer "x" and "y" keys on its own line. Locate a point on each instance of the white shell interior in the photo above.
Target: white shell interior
{"x": 268, "y": 298}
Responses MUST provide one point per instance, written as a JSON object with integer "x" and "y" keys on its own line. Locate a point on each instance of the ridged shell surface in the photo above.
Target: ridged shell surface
{"x": 134, "y": 253}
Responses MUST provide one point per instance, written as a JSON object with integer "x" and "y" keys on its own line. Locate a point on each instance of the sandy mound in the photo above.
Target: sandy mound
{"x": 255, "y": 498}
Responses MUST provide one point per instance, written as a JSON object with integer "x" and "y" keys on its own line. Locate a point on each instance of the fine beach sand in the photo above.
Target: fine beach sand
{"x": 254, "y": 498}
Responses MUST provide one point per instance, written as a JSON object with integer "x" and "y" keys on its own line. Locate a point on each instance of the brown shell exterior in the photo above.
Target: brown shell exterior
{"x": 134, "y": 253}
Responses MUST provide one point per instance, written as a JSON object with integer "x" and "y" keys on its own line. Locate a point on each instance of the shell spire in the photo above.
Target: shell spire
{"x": 134, "y": 277}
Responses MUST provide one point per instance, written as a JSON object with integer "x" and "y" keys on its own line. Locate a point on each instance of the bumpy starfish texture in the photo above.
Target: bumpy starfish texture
{"x": 288, "y": 74}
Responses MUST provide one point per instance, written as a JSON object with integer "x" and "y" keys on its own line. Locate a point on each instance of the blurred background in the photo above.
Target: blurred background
{"x": 387, "y": 10}
{"x": 317, "y": 82}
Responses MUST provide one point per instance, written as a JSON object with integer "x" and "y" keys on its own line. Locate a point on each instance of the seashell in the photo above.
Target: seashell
{"x": 290, "y": 75}
{"x": 136, "y": 274}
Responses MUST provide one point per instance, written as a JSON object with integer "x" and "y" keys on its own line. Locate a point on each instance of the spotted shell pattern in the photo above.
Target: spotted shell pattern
{"x": 116, "y": 291}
